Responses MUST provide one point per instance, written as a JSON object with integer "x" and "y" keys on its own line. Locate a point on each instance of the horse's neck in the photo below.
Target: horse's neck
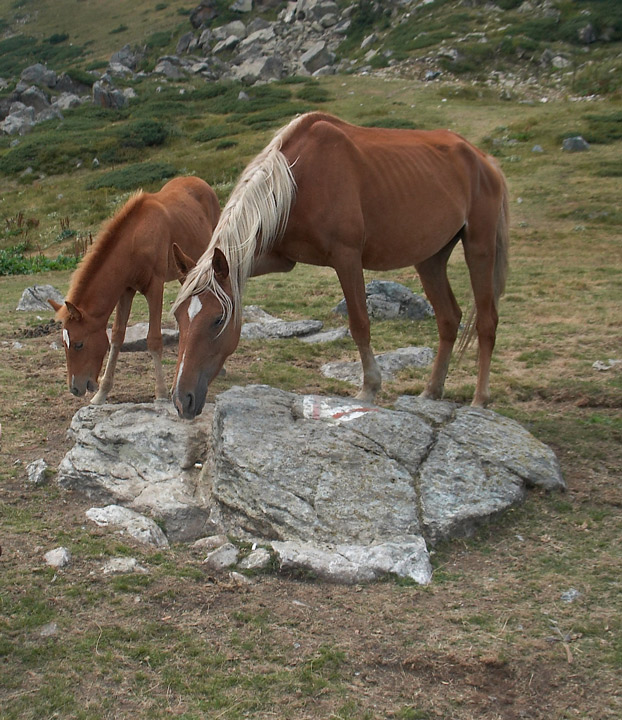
{"x": 99, "y": 295}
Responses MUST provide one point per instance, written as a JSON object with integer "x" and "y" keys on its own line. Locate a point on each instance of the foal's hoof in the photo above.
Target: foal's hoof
{"x": 98, "y": 399}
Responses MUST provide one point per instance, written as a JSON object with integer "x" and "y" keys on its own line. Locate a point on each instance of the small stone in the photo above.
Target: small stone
{"x": 58, "y": 558}
{"x": 222, "y": 558}
{"x": 38, "y": 472}
{"x": 575, "y": 144}
{"x": 122, "y": 565}
{"x": 49, "y": 630}
{"x": 570, "y": 595}
{"x": 258, "y": 559}
{"x": 212, "y": 542}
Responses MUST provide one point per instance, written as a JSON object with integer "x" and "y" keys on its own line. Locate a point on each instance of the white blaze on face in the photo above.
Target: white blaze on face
{"x": 66, "y": 340}
{"x": 195, "y": 307}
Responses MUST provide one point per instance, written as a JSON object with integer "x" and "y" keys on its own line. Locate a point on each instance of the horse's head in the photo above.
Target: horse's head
{"x": 207, "y": 336}
{"x": 86, "y": 343}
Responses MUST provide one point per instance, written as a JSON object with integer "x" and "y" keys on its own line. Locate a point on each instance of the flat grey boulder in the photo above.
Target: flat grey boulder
{"x": 260, "y": 325}
{"x": 346, "y": 491}
{"x": 330, "y": 473}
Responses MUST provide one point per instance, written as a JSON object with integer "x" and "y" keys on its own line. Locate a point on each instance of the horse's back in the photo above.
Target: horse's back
{"x": 407, "y": 191}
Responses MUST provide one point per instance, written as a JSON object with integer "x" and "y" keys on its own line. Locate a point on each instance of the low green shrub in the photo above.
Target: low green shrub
{"x": 144, "y": 133}
{"x": 133, "y": 177}
{"x": 13, "y": 261}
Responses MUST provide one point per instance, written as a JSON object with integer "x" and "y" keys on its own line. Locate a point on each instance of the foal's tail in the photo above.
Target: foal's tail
{"x": 500, "y": 270}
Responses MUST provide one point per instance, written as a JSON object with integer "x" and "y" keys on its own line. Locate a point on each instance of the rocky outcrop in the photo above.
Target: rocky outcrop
{"x": 345, "y": 491}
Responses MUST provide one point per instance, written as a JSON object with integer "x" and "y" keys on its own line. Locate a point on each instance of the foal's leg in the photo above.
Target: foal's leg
{"x": 154, "y": 337}
{"x": 350, "y": 276}
{"x": 433, "y": 276}
{"x": 479, "y": 251}
{"x": 119, "y": 325}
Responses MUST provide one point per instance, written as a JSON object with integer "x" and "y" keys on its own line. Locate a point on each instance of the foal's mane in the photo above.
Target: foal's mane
{"x": 104, "y": 243}
{"x": 252, "y": 220}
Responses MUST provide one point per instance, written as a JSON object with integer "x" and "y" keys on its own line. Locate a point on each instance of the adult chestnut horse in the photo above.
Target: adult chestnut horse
{"x": 329, "y": 193}
{"x": 132, "y": 253}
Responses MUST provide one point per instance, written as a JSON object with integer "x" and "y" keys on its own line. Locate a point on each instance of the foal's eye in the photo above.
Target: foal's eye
{"x": 78, "y": 345}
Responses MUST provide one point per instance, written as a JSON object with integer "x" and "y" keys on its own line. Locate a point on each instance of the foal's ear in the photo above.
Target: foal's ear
{"x": 220, "y": 265}
{"x": 74, "y": 312}
{"x": 56, "y": 306}
{"x": 184, "y": 262}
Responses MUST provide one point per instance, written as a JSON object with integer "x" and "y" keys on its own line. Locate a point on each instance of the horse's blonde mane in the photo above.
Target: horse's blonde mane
{"x": 251, "y": 221}
{"x": 107, "y": 236}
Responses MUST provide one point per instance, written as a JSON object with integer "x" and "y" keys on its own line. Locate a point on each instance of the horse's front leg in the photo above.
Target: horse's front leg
{"x": 119, "y": 326}
{"x": 353, "y": 285}
{"x": 154, "y": 337}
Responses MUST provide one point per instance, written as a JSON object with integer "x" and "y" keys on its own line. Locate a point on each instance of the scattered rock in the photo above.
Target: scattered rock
{"x": 390, "y": 364}
{"x": 49, "y": 630}
{"x": 389, "y": 300}
{"x": 222, "y": 558}
{"x": 38, "y": 472}
{"x": 105, "y": 95}
{"x": 570, "y": 595}
{"x": 120, "y": 565}
{"x": 137, "y": 526}
{"x": 316, "y": 57}
{"x": 38, "y": 74}
{"x": 212, "y": 542}
{"x": 602, "y": 366}
{"x": 36, "y": 298}
{"x": 59, "y": 557}
{"x": 575, "y": 144}
{"x": 327, "y": 336}
{"x": 260, "y": 325}
{"x": 258, "y": 559}
{"x": 136, "y": 337}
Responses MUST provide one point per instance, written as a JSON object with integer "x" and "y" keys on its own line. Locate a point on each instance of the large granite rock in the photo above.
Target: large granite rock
{"x": 345, "y": 491}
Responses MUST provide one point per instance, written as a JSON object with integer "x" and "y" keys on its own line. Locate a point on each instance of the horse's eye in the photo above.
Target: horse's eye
{"x": 78, "y": 345}
{"x": 219, "y": 320}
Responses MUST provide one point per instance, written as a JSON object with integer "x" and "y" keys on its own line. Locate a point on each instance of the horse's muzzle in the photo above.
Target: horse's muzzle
{"x": 79, "y": 387}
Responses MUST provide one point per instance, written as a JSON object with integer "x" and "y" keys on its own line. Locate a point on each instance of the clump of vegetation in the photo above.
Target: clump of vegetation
{"x": 134, "y": 176}
{"x": 14, "y": 261}
{"x": 144, "y": 133}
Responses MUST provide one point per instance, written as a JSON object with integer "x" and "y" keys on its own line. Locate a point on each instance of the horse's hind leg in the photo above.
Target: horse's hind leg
{"x": 119, "y": 326}
{"x": 433, "y": 276}
{"x": 154, "y": 337}
{"x": 479, "y": 251}
{"x": 350, "y": 276}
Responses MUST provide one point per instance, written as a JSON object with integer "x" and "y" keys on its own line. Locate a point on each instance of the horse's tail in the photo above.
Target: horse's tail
{"x": 500, "y": 270}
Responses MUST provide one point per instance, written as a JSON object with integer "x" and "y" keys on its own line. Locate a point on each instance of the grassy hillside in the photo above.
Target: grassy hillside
{"x": 523, "y": 620}
{"x": 84, "y": 33}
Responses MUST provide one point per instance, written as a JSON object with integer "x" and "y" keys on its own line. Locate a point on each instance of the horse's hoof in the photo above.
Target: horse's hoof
{"x": 98, "y": 399}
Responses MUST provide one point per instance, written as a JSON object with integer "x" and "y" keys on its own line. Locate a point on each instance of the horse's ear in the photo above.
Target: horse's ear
{"x": 184, "y": 262}
{"x": 56, "y": 306}
{"x": 220, "y": 265}
{"x": 74, "y": 312}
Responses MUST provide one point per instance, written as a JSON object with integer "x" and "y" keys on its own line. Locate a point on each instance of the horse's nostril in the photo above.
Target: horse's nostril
{"x": 75, "y": 391}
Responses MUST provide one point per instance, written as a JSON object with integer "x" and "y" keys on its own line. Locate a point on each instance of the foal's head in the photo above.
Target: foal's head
{"x": 208, "y": 334}
{"x": 86, "y": 344}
